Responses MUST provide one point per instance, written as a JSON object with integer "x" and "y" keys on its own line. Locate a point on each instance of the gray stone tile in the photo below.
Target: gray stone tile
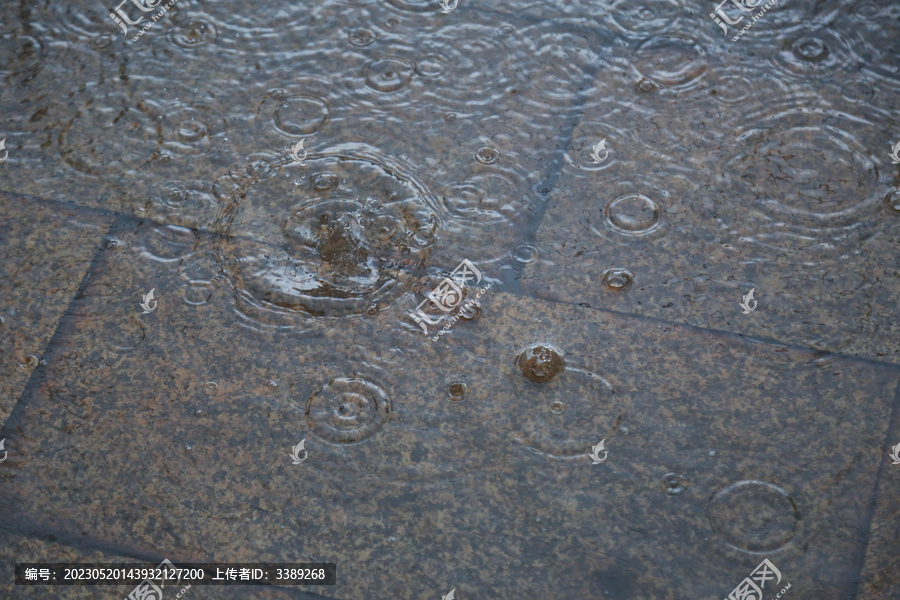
{"x": 169, "y": 434}
{"x": 45, "y": 251}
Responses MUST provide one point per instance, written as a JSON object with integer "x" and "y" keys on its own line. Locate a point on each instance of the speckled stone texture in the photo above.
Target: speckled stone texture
{"x": 732, "y": 198}
{"x": 727, "y": 166}
{"x": 45, "y": 251}
{"x": 169, "y": 434}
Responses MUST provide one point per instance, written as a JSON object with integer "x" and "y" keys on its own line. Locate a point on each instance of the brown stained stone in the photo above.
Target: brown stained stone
{"x": 121, "y": 438}
{"x": 45, "y": 252}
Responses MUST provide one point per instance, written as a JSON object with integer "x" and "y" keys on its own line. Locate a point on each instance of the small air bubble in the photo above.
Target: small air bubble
{"x": 458, "y": 390}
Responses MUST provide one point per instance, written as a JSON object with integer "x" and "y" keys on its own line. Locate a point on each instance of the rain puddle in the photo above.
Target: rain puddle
{"x": 408, "y": 299}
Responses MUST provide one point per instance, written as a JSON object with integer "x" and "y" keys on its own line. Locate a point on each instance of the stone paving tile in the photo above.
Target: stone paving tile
{"x": 880, "y": 577}
{"x": 702, "y": 197}
{"x": 489, "y": 94}
{"x": 169, "y": 434}
{"x": 45, "y": 251}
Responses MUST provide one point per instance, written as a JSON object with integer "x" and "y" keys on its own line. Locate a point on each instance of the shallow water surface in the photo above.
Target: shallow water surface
{"x": 474, "y": 300}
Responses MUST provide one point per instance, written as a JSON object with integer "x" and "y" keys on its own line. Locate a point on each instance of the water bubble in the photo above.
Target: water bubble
{"x": 347, "y": 410}
{"x": 173, "y": 194}
{"x": 540, "y": 362}
{"x": 193, "y": 32}
{"x": 632, "y": 214}
{"x": 557, "y": 407}
{"x": 361, "y": 37}
{"x": 814, "y": 54}
{"x": 210, "y": 387}
{"x": 272, "y": 384}
{"x": 892, "y": 201}
{"x": 810, "y": 49}
{"x": 712, "y": 452}
{"x": 525, "y": 253}
{"x": 113, "y": 243}
{"x": 198, "y": 412}
{"x": 487, "y": 155}
{"x": 470, "y": 310}
{"x": 458, "y": 390}
{"x": 617, "y": 278}
{"x": 301, "y": 115}
{"x": 29, "y": 363}
{"x": 391, "y": 23}
{"x": 675, "y": 484}
{"x": 623, "y": 430}
{"x": 645, "y": 86}
{"x": 324, "y": 181}
{"x": 388, "y": 74}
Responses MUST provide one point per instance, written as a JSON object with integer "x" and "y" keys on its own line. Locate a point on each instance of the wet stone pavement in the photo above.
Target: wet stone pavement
{"x": 673, "y": 351}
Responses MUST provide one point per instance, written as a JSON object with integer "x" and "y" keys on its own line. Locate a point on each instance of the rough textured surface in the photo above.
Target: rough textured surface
{"x": 45, "y": 251}
{"x": 284, "y": 292}
{"x": 182, "y": 445}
